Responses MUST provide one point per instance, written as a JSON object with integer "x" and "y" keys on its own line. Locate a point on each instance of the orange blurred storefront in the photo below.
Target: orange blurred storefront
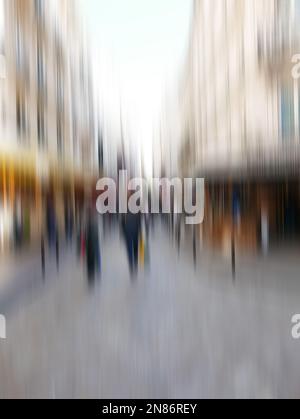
{"x": 25, "y": 186}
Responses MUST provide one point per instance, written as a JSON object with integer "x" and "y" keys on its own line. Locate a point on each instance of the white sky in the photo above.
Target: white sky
{"x": 138, "y": 50}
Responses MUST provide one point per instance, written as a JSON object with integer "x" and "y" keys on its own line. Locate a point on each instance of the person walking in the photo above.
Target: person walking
{"x": 131, "y": 227}
{"x": 92, "y": 248}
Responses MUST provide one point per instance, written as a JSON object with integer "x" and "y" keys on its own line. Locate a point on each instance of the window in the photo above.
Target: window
{"x": 18, "y": 47}
{"x": 60, "y": 112}
{"x": 40, "y": 10}
{"x": 2, "y": 66}
{"x": 41, "y": 125}
{"x": 21, "y": 116}
{"x": 287, "y": 114}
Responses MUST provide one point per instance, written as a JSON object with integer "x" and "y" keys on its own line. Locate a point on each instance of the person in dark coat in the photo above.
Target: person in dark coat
{"x": 51, "y": 224}
{"x": 69, "y": 223}
{"x": 92, "y": 248}
{"x": 131, "y": 227}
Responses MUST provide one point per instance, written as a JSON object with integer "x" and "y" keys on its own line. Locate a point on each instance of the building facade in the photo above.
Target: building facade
{"x": 240, "y": 107}
{"x": 47, "y": 119}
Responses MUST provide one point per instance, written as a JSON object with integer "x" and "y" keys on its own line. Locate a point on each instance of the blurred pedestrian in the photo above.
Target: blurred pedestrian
{"x": 131, "y": 227}
{"x": 43, "y": 256}
{"x": 92, "y": 248}
{"x": 51, "y": 225}
{"x": 18, "y": 225}
{"x": 69, "y": 223}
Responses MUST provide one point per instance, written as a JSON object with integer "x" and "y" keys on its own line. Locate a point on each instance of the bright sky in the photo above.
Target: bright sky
{"x": 138, "y": 51}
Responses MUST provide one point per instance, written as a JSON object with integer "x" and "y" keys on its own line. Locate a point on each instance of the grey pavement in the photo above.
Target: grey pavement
{"x": 174, "y": 332}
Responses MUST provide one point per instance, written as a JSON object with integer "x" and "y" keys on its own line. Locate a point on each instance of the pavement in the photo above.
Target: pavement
{"x": 176, "y": 331}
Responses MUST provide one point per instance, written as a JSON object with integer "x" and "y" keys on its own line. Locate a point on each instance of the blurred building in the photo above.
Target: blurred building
{"x": 241, "y": 117}
{"x": 48, "y": 137}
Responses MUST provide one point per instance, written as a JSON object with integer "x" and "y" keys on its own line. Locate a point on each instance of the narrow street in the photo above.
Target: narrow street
{"x": 149, "y": 200}
{"x": 173, "y": 332}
